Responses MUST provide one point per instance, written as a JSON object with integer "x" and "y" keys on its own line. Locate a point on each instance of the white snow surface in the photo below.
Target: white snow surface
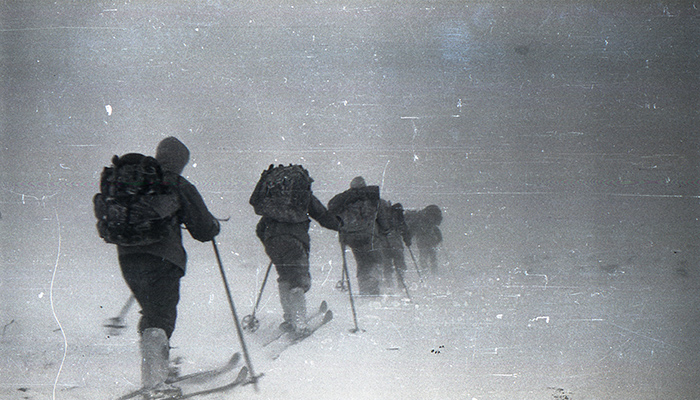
{"x": 568, "y": 318}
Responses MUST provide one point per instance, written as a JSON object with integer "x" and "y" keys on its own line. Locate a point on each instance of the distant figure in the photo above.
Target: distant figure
{"x": 284, "y": 199}
{"x": 423, "y": 225}
{"x": 397, "y": 235}
{"x": 363, "y": 224}
{"x": 141, "y": 206}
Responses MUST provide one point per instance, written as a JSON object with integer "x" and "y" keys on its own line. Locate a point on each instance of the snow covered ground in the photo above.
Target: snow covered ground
{"x": 560, "y": 141}
{"x": 570, "y": 317}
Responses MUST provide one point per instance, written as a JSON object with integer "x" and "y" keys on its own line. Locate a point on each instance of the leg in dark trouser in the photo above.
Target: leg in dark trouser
{"x": 155, "y": 284}
{"x": 291, "y": 260}
{"x": 428, "y": 259}
{"x": 368, "y": 270}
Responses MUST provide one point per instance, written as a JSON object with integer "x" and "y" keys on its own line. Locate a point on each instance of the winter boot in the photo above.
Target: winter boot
{"x": 287, "y": 325}
{"x": 369, "y": 285}
{"x": 155, "y": 352}
{"x": 389, "y": 283}
{"x": 297, "y": 301}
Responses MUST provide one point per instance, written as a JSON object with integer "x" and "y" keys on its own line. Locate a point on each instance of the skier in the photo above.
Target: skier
{"x": 423, "y": 225}
{"x": 395, "y": 237}
{"x": 284, "y": 199}
{"x": 153, "y": 271}
{"x": 363, "y": 224}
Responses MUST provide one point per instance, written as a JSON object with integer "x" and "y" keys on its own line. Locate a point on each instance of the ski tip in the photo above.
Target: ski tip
{"x": 242, "y": 374}
{"x": 324, "y": 306}
{"x": 328, "y": 316}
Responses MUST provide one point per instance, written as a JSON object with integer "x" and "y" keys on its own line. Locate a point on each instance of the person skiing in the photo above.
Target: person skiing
{"x": 153, "y": 271}
{"x": 285, "y": 201}
{"x": 395, "y": 238}
{"x": 423, "y": 225}
{"x": 363, "y": 224}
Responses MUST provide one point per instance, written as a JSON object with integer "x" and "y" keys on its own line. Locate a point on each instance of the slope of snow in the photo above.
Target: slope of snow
{"x": 557, "y": 322}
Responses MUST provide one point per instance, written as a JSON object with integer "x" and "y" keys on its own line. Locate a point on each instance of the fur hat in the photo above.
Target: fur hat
{"x": 172, "y": 155}
{"x": 357, "y": 182}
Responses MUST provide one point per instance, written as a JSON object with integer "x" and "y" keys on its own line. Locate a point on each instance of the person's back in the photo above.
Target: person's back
{"x": 357, "y": 210}
{"x": 287, "y": 214}
{"x": 423, "y": 224}
{"x": 173, "y": 156}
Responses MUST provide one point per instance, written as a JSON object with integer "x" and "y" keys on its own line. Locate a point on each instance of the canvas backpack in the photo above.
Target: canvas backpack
{"x": 357, "y": 210}
{"x": 283, "y": 193}
{"x": 135, "y": 204}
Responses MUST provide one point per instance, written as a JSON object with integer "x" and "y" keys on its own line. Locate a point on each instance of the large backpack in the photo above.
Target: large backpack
{"x": 423, "y": 224}
{"x": 357, "y": 210}
{"x": 283, "y": 193}
{"x": 135, "y": 204}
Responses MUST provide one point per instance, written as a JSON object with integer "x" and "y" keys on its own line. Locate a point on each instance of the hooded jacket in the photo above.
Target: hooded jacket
{"x": 173, "y": 156}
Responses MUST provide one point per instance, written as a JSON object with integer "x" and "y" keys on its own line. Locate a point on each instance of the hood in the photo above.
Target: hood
{"x": 357, "y": 182}
{"x": 433, "y": 214}
{"x": 172, "y": 155}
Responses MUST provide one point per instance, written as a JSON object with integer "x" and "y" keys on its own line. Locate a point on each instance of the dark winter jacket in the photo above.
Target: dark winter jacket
{"x": 193, "y": 213}
{"x": 423, "y": 225}
{"x": 398, "y": 223}
{"x": 268, "y": 227}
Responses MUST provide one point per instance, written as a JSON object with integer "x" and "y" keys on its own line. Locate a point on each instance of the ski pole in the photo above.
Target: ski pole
{"x": 249, "y": 321}
{"x": 246, "y": 355}
{"x": 399, "y": 274}
{"x": 126, "y": 307}
{"x": 352, "y": 301}
{"x": 115, "y": 324}
{"x": 415, "y": 263}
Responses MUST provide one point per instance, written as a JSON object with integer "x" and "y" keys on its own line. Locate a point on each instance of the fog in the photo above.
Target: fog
{"x": 559, "y": 139}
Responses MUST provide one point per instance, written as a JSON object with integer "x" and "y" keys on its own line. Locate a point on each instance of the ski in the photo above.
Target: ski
{"x": 203, "y": 376}
{"x": 290, "y": 338}
{"x": 322, "y": 309}
{"x": 241, "y": 379}
{"x": 193, "y": 378}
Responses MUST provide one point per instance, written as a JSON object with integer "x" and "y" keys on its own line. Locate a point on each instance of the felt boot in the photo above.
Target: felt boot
{"x": 287, "y": 325}
{"x": 155, "y": 353}
{"x": 297, "y": 301}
